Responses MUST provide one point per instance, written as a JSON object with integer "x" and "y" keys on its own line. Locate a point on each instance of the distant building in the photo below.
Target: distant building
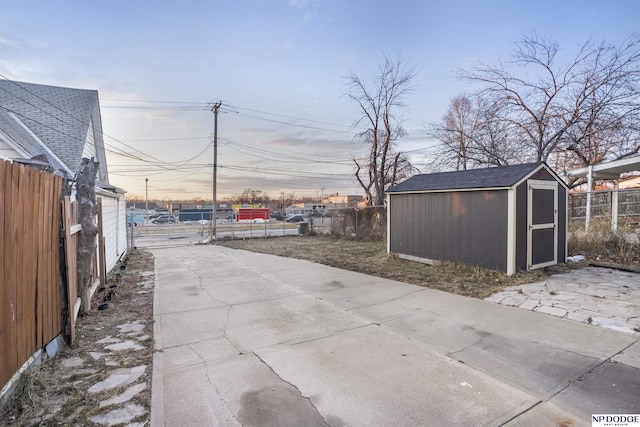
{"x": 329, "y": 204}
{"x": 343, "y": 202}
{"x": 631, "y": 182}
{"x": 141, "y": 205}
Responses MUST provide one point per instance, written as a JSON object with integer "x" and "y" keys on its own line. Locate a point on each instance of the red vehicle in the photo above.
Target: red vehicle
{"x": 251, "y": 214}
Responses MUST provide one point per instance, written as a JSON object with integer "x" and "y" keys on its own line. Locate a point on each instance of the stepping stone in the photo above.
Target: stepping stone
{"x": 119, "y": 416}
{"x": 119, "y": 377}
{"x": 126, "y": 396}
{"x": 126, "y": 345}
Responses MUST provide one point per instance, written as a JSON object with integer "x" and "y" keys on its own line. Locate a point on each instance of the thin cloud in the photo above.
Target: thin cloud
{"x": 6, "y": 42}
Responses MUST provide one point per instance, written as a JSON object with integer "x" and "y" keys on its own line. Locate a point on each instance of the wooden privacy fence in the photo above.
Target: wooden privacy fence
{"x": 602, "y": 205}
{"x": 30, "y": 283}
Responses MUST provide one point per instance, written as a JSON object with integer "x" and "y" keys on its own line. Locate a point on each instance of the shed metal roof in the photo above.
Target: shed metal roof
{"x": 495, "y": 177}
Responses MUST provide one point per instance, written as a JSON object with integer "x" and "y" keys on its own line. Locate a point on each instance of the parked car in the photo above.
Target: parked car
{"x": 295, "y": 218}
{"x": 278, "y": 216}
{"x": 164, "y": 219}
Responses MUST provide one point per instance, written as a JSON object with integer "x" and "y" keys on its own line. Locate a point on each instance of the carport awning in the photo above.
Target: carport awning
{"x": 610, "y": 170}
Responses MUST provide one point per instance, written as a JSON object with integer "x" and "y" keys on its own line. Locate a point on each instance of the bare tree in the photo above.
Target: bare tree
{"x": 455, "y": 131}
{"x": 589, "y": 107}
{"x": 472, "y": 135}
{"x": 380, "y": 106}
{"x": 251, "y": 196}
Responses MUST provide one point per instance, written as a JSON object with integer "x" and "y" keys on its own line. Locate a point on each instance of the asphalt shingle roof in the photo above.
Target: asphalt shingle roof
{"x": 60, "y": 117}
{"x": 502, "y": 176}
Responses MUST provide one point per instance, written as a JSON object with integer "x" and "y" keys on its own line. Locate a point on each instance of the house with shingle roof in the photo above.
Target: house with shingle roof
{"x": 57, "y": 125}
{"x": 55, "y": 128}
{"x": 509, "y": 218}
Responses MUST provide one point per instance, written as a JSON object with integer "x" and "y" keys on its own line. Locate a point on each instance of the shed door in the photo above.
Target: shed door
{"x": 542, "y": 224}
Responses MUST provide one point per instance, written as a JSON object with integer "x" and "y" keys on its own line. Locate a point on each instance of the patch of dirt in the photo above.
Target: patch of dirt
{"x": 371, "y": 257}
{"x": 119, "y": 337}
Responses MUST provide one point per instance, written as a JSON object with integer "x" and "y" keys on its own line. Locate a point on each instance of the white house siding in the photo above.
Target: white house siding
{"x": 89, "y": 150}
{"x": 114, "y": 227}
{"x": 7, "y": 152}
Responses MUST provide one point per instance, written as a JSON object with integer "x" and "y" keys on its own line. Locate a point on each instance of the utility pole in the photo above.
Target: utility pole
{"x": 284, "y": 213}
{"x": 214, "y": 108}
{"x": 146, "y": 198}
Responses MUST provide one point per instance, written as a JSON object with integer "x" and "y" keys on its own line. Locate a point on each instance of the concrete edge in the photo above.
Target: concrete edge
{"x": 157, "y": 366}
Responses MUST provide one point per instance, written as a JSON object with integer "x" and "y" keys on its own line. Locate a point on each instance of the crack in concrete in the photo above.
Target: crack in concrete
{"x": 295, "y": 387}
{"x": 524, "y": 411}
{"x": 201, "y": 286}
{"x": 229, "y": 308}
{"x": 327, "y": 335}
{"x": 388, "y": 300}
{"x": 222, "y": 399}
{"x": 452, "y": 354}
{"x": 569, "y": 384}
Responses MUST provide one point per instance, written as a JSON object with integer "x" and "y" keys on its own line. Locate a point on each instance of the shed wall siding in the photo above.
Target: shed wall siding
{"x": 466, "y": 226}
{"x": 542, "y": 175}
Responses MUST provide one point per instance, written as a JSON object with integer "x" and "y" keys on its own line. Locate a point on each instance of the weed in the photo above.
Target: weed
{"x": 603, "y": 244}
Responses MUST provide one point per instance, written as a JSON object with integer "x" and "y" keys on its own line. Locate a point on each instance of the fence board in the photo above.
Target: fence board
{"x": 4, "y": 303}
{"x": 26, "y": 288}
{"x": 12, "y": 250}
{"x": 40, "y": 226}
{"x": 71, "y": 251}
{"x": 53, "y": 236}
{"x": 45, "y": 305}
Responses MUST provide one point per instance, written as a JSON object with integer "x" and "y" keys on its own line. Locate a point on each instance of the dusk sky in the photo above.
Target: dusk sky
{"x": 278, "y": 67}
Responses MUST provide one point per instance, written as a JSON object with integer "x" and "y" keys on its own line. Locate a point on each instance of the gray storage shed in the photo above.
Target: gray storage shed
{"x": 509, "y": 218}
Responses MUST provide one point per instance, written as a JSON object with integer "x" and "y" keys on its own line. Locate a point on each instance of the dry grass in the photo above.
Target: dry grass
{"x": 371, "y": 258}
{"x": 602, "y": 244}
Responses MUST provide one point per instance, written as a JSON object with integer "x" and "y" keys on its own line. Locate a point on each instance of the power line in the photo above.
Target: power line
{"x": 65, "y": 122}
{"x": 292, "y": 117}
{"x": 156, "y": 166}
{"x": 234, "y": 144}
{"x": 202, "y": 106}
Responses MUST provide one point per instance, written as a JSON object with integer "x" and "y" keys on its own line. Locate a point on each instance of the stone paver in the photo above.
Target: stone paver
{"x": 598, "y": 296}
{"x": 118, "y": 377}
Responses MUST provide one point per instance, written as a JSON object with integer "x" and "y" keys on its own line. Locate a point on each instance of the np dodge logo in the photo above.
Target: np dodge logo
{"x": 615, "y": 420}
